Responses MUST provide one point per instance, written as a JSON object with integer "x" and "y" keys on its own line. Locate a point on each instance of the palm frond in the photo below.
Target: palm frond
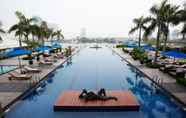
{"x": 163, "y": 4}
{"x": 13, "y": 28}
{"x": 150, "y": 28}
{"x": 133, "y": 30}
{"x": 62, "y": 36}
{"x": 136, "y": 20}
{"x": 146, "y": 20}
{"x": 2, "y": 31}
{"x": 144, "y": 27}
{"x": 154, "y": 9}
{"x": 20, "y": 16}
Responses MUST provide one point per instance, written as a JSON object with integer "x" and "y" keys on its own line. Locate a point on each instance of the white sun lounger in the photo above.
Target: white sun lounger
{"x": 18, "y": 76}
{"x": 30, "y": 69}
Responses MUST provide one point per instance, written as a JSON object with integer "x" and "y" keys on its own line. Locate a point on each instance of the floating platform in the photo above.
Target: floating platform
{"x": 69, "y": 101}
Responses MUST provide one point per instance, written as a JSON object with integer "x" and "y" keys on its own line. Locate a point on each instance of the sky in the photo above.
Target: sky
{"x": 96, "y": 18}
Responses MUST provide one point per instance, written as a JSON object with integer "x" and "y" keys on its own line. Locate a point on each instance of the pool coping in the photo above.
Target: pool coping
{"x": 32, "y": 88}
{"x": 168, "y": 93}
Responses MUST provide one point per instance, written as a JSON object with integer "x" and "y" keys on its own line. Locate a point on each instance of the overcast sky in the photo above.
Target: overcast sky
{"x": 100, "y": 18}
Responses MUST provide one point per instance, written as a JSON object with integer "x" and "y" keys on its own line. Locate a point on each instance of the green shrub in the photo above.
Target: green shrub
{"x": 152, "y": 65}
{"x": 120, "y": 46}
{"x": 181, "y": 81}
{"x": 144, "y": 56}
{"x": 138, "y": 54}
{"x": 124, "y": 50}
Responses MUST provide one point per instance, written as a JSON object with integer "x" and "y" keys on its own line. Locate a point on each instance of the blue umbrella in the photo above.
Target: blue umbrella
{"x": 148, "y": 47}
{"x": 42, "y": 48}
{"x": 174, "y": 54}
{"x": 130, "y": 43}
{"x": 56, "y": 45}
{"x": 17, "y": 52}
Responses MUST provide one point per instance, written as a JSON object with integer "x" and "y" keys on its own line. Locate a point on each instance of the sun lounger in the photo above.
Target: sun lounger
{"x": 178, "y": 72}
{"x": 58, "y": 56}
{"x": 45, "y": 63}
{"x": 183, "y": 66}
{"x": 31, "y": 70}
{"x": 166, "y": 68}
{"x": 18, "y": 76}
{"x": 50, "y": 60}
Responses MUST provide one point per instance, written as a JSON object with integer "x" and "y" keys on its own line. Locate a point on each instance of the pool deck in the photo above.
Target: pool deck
{"x": 12, "y": 90}
{"x": 168, "y": 83}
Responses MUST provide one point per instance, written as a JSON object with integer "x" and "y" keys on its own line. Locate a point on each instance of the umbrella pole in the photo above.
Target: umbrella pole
{"x": 20, "y": 45}
{"x": 20, "y": 66}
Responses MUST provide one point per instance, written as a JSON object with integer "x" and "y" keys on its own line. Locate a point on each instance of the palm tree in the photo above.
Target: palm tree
{"x": 43, "y": 31}
{"x": 1, "y": 30}
{"x": 182, "y": 18}
{"x": 34, "y": 31}
{"x": 26, "y": 23}
{"x": 22, "y": 28}
{"x": 19, "y": 31}
{"x": 170, "y": 15}
{"x": 157, "y": 22}
{"x": 58, "y": 34}
{"x": 49, "y": 33}
{"x": 140, "y": 25}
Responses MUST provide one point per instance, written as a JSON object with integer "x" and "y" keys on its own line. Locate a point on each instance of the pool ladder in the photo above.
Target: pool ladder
{"x": 157, "y": 80}
{"x": 35, "y": 79}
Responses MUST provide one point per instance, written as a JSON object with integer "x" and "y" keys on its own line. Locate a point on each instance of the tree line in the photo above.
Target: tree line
{"x": 33, "y": 31}
{"x": 162, "y": 16}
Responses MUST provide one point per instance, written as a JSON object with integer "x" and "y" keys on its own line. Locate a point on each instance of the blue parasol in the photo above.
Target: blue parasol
{"x": 56, "y": 45}
{"x": 43, "y": 48}
{"x": 148, "y": 47}
{"x": 17, "y": 52}
{"x": 174, "y": 54}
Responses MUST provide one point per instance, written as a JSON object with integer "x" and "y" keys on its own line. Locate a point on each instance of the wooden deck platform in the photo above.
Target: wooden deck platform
{"x": 69, "y": 101}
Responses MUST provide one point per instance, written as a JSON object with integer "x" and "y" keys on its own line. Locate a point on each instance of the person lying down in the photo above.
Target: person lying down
{"x": 101, "y": 95}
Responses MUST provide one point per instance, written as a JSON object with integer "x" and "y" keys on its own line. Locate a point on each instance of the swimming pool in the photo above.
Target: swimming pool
{"x": 93, "y": 69}
{"x": 5, "y": 69}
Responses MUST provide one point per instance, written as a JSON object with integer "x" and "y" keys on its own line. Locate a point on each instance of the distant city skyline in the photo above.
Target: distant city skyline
{"x": 100, "y": 18}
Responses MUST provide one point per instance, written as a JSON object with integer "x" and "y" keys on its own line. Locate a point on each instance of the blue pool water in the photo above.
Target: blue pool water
{"x": 93, "y": 69}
